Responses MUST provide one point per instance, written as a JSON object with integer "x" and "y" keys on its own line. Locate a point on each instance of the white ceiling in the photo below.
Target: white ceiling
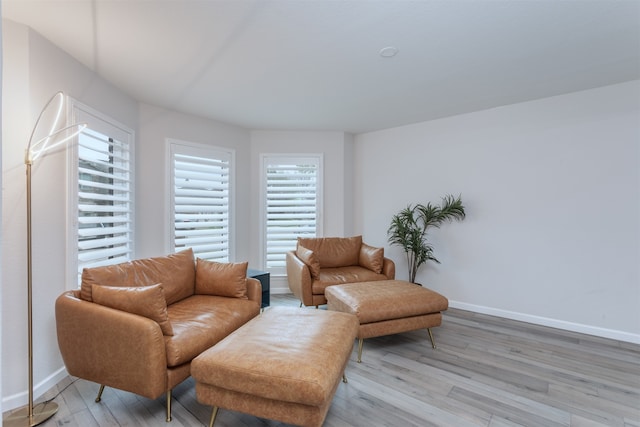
{"x": 314, "y": 64}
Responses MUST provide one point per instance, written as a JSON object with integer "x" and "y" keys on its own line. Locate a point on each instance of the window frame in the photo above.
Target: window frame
{"x": 105, "y": 125}
{"x": 287, "y": 158}
{"x": 202, "y": 150}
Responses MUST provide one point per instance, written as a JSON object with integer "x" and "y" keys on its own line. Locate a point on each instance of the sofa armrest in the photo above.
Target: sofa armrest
{"x": 111, "y": 347}
{"x": 389, "y": 268}
{"x": 254, "y": 290}
{"x": 299, "y": 278}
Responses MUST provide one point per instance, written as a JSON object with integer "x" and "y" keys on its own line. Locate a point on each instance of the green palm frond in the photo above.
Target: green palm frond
{"x": 409, "y": 227}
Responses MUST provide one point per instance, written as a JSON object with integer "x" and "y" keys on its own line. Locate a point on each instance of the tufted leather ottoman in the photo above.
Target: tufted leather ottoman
{"x": 283, "y": 365}
{"x": 387, "y": 307}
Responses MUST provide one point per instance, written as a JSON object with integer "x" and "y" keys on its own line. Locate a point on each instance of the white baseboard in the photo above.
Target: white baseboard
{"x": 22, "y": 399}
{"x": 553, "y": 323}
{"x": 279, "y": 285}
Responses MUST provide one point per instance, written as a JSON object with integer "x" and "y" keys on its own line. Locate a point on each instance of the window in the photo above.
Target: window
{"x": 101, "y": 192}
{"x": 201, "y": 202}
{"x": 291, "y": 194}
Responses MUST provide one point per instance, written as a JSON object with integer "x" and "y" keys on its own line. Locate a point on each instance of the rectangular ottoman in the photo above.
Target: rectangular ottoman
{"x": 387, "y": 307}
{"x": 283, "y": 365}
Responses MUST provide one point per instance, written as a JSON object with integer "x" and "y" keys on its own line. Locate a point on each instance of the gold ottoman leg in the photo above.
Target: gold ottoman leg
{"x": 99, "y": 397}
{"x": 360, "y": 342}
{"x": 433, "y": 343}
{"x": 214, "y": 412}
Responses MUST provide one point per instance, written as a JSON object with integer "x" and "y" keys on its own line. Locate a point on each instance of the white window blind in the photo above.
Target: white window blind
{"x": 291, "y": 205}
{"x": 104, "y": 197}
{"x": 201, "y": 201}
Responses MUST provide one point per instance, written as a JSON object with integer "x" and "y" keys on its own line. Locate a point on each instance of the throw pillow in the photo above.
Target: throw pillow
{"x": 221, "y": 279}
{"x": 309, "y": 258}
{"x": 147, "y": 301}
{"x": 371, "y": 258}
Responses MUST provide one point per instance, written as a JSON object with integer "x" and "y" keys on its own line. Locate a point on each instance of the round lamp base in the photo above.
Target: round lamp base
{"x": 41, "y": 413}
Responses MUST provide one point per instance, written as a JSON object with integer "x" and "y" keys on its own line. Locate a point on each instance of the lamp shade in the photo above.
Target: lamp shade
{"x": 49, "y": 130}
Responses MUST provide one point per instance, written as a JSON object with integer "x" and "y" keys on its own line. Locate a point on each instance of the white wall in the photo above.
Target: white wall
{"x": 552, "y": 193}
{"x": 336, "y": 148}
{"x": 152, "y": 190}
{"x": 34, "y": 70}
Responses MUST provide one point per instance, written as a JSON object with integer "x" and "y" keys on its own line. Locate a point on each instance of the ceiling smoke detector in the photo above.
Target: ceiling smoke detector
{"x": 388, "y": 52}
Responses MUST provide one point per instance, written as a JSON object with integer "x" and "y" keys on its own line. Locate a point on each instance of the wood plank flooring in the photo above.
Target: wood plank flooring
{"x": 486, "y": 371}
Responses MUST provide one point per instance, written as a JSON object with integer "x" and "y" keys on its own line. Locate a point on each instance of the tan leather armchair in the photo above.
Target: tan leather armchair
{"x": 325, "y": 261}
{"x": 133, "y": 352}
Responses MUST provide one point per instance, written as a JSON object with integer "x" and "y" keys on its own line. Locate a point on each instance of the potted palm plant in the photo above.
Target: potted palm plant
{"x": 409, "y": 229}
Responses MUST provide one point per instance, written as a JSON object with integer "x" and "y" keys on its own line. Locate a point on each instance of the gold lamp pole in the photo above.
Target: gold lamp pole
{"x": 31, "y": 415}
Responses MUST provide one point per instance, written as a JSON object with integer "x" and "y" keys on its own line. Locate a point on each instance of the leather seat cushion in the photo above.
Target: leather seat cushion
{"x": 342, "y": 275}
{"x": 201, "y": 321}
{"x": 285, "y": 354}
{"x": 384, "y": 300}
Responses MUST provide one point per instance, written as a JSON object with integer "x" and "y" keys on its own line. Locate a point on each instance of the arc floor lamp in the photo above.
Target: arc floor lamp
{"x": 50, "y": 123}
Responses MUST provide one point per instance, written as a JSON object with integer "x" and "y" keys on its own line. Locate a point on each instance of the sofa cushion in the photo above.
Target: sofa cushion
{"x": 147, "y": 301}
{"x": 176, "y": 272}
{"x": 339, "y": 276}
{"x": 334, "y": 251}
{"x": 371, "y": 258}
{"x": 201, "y": 321}
{"x": 309, "y": 258}
{"x": 221, "y": 279}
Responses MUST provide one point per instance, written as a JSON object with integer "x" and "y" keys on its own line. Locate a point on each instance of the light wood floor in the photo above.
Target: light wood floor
{"x": 486, "y": 371}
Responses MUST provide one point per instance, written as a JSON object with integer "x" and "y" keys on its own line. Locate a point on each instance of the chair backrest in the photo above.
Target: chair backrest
{"x": 334, "y": 251}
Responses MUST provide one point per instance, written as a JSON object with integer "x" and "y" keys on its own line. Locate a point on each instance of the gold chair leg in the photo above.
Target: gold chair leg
{"x": 213, "y": 416}
{"x": 360, "y": 342}
{"x": 168, "y": 406}
{"x": 433, "y": 343}
{"x": 99, "y": 396}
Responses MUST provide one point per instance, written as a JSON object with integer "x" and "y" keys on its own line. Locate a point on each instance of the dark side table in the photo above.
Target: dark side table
{"x": 263, "y": 277}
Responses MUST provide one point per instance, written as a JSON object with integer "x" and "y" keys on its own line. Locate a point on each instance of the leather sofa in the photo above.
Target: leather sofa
{"x": 319, "y": 262}
{"x": 137, "y": 326}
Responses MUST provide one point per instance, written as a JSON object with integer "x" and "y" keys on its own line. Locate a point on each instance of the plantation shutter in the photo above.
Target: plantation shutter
{"x": 201, "y": 202}
{"x": 291, "y": 206}
{"x": 105, "y": 200}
